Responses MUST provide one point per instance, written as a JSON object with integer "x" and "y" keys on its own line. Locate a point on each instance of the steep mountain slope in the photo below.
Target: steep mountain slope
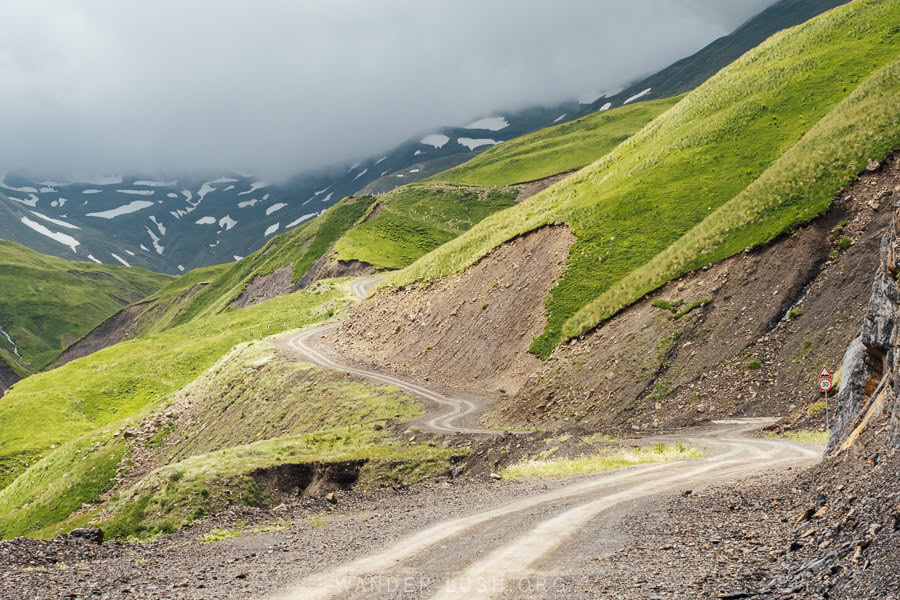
{"x": 556, "y": 149}
{"x": 411, "y": 221}
{"x": 50, "y": 408}
{"x": 174, "y": 226}
{"x": 758, "y": 149}
{"x": 688, "y": 73}
{"x": 48, "y": 303}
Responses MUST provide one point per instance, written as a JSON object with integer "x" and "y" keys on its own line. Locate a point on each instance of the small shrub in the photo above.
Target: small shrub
{"x": 795, "y": 312}
{"x": 815, "y": 408}
{"x": 844, "y": 243}
{"x": 176, "y": 476}
{"x": 697, "y": 304}
{"x": 754, "y": 364}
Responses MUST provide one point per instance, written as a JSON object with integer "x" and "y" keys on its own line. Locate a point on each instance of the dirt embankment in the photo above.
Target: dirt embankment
{"x": 530, "y": 188}
{"x": 328, "y": 267}
{"x": 469, "y": 332}
{"x": 7, "y": 376}
{"x": 121, "y": 326}
{"x": 774, "y": 317}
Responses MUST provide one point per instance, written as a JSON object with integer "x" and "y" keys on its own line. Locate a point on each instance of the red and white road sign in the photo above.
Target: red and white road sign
{"x": 824, "y": 384}
{"x": 824, "y": 373}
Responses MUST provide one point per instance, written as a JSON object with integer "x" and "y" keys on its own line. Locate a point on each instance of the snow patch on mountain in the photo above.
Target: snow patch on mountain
{"x": 119, "y": 258}
{"x": 206, "y": 221}
{"x": 156, "y": 245}
{"x": 560, "y": 118}
{"x": 62, "y": 238}
{"x": 91, "y": 191}
{"x": 254, "y": 186}
{"x": 160, "y": 226}
{"x": 380, "y": 160}
{"x": 24, "y": 190}
{"x": 606, "y": 106}
{"x": 32, "y": 201}
{"x": 636, "y": 96}
{"x": 227, "y": 222}
{"x": 91, "y": 256}
{"x": 203, "y": 191}
{"x": 55, "y": 221}
{"x": 471, "y": 144}
{"x": 328, "y": 197}
{"x": 271, "y": 229}
{"x": 490, "y": 124}
{"x": 246, "y": 203}
{"x": 137, "y": 192}
{"x": 361, "y": 173}
{"x": 275, "y": 208}
{"x": 300, "y": 220}
{"x": 435, "y": 139}
{"x": 122, "y": 210}
{"x": 320, "y": 192}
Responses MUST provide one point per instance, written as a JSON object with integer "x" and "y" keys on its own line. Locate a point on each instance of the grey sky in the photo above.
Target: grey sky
{"x": 277, "y": 87}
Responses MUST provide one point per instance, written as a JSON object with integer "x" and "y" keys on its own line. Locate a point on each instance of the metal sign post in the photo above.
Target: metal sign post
{"x": 824, "y": 385}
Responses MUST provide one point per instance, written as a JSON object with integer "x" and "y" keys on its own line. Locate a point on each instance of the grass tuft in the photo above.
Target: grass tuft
{"x": 592, "y": 464}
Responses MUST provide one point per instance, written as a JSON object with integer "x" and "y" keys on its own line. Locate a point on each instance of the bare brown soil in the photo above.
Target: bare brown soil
{"x": 530, "y": 188}
{"x": 121, "y": 326}
{"x": 328, "y": 267}
{"x": 644, "y": 369}
{"x": 467, "y": 332}
{"x": 264, "y": 287}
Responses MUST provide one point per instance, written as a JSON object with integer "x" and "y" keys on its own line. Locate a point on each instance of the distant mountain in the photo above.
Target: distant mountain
{"x": 688, "y": 73}
{"x": 173, "y": 226}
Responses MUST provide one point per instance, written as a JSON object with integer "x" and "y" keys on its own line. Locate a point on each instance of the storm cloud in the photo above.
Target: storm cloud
{"x": 277, "y": 87}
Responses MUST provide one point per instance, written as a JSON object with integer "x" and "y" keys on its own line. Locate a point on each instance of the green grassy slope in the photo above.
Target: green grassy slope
{"x": 818, "y": 79}
{"x": 556, "y": 149}
{"x": 252, "y": 409}
{"x": 47, "y": 303}
{"x": 413, "y": 220}
{"x": 54, "y": 407}
{"x": 211, "y": 290}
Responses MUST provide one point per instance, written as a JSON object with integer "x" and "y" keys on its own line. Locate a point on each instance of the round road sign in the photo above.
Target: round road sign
{"x": 824, "y": 384}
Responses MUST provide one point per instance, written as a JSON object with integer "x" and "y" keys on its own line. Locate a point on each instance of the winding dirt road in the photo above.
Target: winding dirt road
{"x": 526, "y": 548}
{"x": 450, "y": 420}
{"x": 532, "y": 543}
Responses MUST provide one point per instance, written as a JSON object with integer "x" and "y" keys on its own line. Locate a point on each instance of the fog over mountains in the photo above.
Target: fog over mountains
{"x": 204, "y": 88}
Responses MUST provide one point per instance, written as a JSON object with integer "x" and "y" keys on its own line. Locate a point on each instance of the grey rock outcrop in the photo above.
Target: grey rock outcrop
{"x": 872, "y": 355}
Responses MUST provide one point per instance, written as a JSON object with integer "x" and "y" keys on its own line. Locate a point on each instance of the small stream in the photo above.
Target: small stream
{"x": 12, "y": 343}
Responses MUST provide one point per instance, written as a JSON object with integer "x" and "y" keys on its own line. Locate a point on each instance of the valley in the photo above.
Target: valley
{"x": 567, "y": 351}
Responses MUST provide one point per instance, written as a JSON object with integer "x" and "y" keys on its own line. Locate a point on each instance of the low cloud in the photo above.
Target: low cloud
{"x": 277, "y": 87}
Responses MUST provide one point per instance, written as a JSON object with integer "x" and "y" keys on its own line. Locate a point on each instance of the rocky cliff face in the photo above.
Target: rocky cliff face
{"x": 870, "y": 373}
{"x": 7, "y": 377}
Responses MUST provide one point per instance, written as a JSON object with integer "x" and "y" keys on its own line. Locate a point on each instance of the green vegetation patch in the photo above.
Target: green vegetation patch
{"x": 660, "y": 452}
{"x": 49, "y": 303}
{"x": 211, "y": 290}
{"x": 801, "y": 435}
{"x": 110, "y": 385}
{"x": 556, "y": 149}
{"x": 758, "y": 149}
{"x": 412, "y": 221}
{"x": 210, "y": 482}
